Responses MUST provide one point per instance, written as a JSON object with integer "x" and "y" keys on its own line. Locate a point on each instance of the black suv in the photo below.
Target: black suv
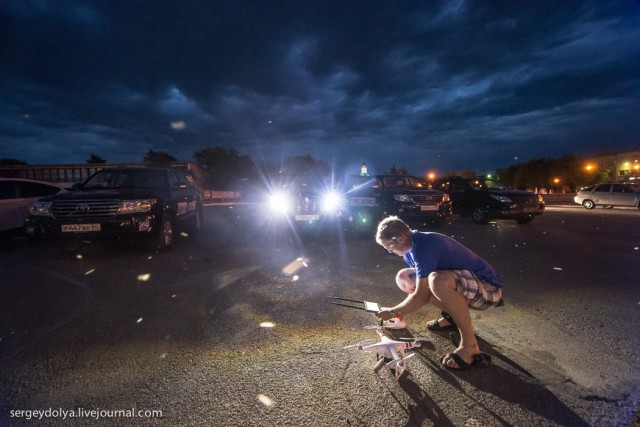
{"x": 150, "y": 204}
{"x": 484, "y": 199}
{"x": 371, "y": 198}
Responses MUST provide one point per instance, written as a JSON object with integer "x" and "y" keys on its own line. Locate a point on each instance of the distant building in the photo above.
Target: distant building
{"x": 79, "y": 172}
{"x": 623, "y": 166}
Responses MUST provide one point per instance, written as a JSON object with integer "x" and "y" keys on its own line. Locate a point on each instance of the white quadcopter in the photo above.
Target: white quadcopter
{"x": 390, "y": 352}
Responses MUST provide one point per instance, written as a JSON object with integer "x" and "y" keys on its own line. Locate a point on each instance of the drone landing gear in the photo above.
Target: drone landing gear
{"x": 379, "y": 364}
{"x": 398, "y": 370}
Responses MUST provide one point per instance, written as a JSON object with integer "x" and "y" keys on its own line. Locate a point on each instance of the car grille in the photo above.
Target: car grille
{"x": 525, "y": 201}
{"x": 306, "y": 205}
{"x": 61, "y": 209}
{"x": 430, "y": 199}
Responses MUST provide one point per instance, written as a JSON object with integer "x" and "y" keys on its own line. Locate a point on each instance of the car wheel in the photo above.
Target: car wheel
{"x": 608, "y": 206}
{"x": 588, "y": 204}
{"x": 526, "y": 220}
{"x": 480, "y": 215}
{"x": 164, "y": 238}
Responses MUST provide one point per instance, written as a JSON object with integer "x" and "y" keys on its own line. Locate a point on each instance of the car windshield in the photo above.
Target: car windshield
{"x": 358, "y": 182}
{"x": 405, "y": 181}
{"x": 485, "y": 184}
{"x": 126, "y": 178}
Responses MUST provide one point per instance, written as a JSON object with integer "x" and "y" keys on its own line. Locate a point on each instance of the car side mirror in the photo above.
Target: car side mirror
{"x": 75, "y": 186}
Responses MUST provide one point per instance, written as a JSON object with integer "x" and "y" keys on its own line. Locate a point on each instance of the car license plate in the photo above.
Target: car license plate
{"x": 428, "y": 208}
{"x": 80, "y": 228}
{"x": 307, "y": 217}
{"x": 363, "y": 201}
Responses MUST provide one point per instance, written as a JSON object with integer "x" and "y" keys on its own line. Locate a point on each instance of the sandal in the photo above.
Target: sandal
{"x": 434, "y": 325}
{"x": 482, "y": 359}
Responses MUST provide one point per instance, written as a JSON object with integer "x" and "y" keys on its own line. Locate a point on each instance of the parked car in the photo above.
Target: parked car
{"x": 150, "y": 204}
{"x": 16, "y": 195}
{"x": 371, "y": 198}
{"x": 484, "y": 199}
{"x": 607, "y": 196}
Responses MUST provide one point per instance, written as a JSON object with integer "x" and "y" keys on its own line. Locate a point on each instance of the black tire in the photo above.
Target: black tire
{"x": 480, "y": 215}
{"x": 588, "y": 204}
{"x": 163, "y": 239}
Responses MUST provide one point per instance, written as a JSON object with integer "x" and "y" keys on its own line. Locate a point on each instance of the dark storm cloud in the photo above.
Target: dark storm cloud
{"x": 425, "y": 85}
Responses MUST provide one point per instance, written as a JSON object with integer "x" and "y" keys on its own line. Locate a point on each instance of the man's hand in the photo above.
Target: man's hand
{"x": 385, "y": 313}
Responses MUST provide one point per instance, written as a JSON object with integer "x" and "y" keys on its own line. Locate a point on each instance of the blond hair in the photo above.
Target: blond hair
{"x": 390, "y": 228}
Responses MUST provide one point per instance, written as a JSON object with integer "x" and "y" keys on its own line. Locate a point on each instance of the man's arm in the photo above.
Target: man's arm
{"x": 418, "y": 298}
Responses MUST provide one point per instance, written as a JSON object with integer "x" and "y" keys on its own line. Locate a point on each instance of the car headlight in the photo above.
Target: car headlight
{"x": 136, "y": 206}
{"x": 446, "y": 198}
{"x": 280, "y": 203}
{"x": 404, "y": 198}
{"x": 502, "y": 199}
{"x": 331, "y": 201}
{"x": 40, "y": 209}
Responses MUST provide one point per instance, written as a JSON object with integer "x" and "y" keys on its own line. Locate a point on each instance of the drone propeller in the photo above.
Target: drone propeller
{"x": 415, "y": 340}
{"x": 361, "y": 343}
{"x": 400, "y": 359}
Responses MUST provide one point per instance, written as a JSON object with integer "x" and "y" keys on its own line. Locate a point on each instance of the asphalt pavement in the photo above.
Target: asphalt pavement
{"x": 233, "y": 328}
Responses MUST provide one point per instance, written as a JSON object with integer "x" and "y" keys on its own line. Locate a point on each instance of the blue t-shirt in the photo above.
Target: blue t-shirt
{"x": 435, "y": 251}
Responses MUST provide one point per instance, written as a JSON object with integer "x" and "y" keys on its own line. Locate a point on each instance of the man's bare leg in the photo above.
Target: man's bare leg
{"x": 443, "y": 288}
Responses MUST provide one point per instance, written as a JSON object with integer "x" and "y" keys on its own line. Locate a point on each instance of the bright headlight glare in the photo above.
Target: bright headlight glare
{"x": 279, "y": 202}
{"x": 135, "y": 206}
{"x": 331, "y": 201}
{"x": 405, "y": 198}
{"x": 446, "y": 198}
{"x": 40, "y": 209}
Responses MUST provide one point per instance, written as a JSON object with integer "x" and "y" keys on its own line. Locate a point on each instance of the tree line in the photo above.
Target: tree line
{"x": 228, "y": 169}
{"x": 566, "y": 174}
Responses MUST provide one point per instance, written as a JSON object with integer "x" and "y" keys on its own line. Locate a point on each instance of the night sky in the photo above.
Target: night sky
{"x": 425, "y": 85}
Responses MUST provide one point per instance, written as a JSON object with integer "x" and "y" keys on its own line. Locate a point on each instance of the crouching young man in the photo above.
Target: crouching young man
{"x": 448, "y": 275}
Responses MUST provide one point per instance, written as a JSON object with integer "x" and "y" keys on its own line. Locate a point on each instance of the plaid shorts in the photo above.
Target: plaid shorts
{"x": 479, "y": 294}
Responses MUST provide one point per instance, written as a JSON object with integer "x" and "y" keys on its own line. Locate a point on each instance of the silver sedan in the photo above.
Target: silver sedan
{"x": 607, "y": 196}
